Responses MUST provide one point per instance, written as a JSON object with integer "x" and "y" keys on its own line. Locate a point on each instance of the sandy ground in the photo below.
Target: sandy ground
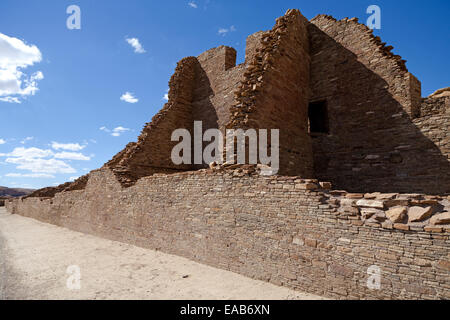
{"x": 34, "y": 261}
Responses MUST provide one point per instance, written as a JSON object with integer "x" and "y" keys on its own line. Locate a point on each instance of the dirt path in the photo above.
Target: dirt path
{"x": 34, "y": 258}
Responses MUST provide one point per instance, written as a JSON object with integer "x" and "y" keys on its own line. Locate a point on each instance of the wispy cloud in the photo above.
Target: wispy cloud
{"x": 134, "y": 42}
{"x": 129, "y": 97}
{"x": 192, "y": 4}
{"x": 26, "y": 140}
{"x": 15, "y": 56}
{"x": 116, "y": 132}
{"x": 2, "y": 141}
{"x": 224, "y": 31}
{"x": 30, "y": 175}
{"x": 67, "y": 146}
{"x": 65, "y": 155}
{"x": 166, "y": 95}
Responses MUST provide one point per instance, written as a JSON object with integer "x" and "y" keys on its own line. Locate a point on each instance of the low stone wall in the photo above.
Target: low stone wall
{"x": 284, "y": 230}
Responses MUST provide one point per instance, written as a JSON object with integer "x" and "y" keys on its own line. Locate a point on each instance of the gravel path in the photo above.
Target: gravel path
{"x": 35, "y": 257}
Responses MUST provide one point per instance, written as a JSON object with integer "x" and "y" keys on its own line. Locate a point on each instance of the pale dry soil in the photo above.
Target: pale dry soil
{"x": 34, "y": 258}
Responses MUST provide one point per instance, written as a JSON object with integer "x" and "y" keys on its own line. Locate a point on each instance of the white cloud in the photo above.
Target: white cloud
{"x": 166, "y": 95}
{"x": 72, "y": 156}
{"x": 39, "y": 165}
{"x": 10, "y": 99}
{"x": 129, "y": 97}
{"x": 30, "y": 175}
{"x": 192, "y": 4}
{"x": 225, "y": 31}
{"x": 116, "y": 132}
{"x": 73, "y": 178}
{"x": 67, "y": 146}
{"x": 26, "y": 140}
{"x": 40, "y": 161}
{"x": 134, "y": 42}
{"x": 2, "y": 141}
{"x": 30, "y": 153}
{"x": 15, "y": 56}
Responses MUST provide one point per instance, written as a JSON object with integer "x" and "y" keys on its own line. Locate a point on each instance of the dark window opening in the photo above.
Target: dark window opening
{"x": 318, "y": 117}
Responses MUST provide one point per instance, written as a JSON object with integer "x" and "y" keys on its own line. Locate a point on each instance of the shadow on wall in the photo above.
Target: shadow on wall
{"x": 202, "y": 108}
{"x": 372, "y": 144}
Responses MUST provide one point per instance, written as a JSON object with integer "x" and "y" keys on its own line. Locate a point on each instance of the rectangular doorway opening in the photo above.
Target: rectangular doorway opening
{"x": 318, "y": 117}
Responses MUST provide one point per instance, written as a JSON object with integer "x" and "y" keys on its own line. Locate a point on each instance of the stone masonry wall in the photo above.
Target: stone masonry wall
{"x": 274, "y": 92}
{"x": 152, "y": 152}
{"x": 376, "y": 141}
{"x": 201, "y": 89}
{"x": 217, "y": 78}
{"x": 285, "y": 230}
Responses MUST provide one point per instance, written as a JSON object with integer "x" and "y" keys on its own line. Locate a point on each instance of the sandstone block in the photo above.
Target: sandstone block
{"x": 371, "y": 196}
{"x": 348, "y": 202}
{"x": 311, "y": 243}
{"x": 367, "y": 213}
{"x": 444, "y": 264}
{"x": 350, "y": 211}
{"x": 396, "y": 202}
{"x": 397, "y": 214}
{"x": 386, "y": 196}
{"x": 442, "y": 218}
{"x": 417, "y": 214}
{"x": 370, "y": 204}
{"x": 400, "y": 226}
{"x": 326, "y": 185}
{"x": 354, "y": 196}
{"x": 433, "y": 229}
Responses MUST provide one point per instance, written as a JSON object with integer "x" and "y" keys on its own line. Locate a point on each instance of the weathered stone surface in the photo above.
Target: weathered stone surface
{"x": 444, "y": 264}
{"x": 326, "y": 185}
{"x": 434, "y": 229}
{"x": 355, "y": 195}
{"x": 400, "y": 226}
{"x": 347, "y": 58}
{"x": 417, "y": 214}
{"x": 350, "y": 211}
{"x": 396, "y": 214}
{"x": 442, "y": 218}
{"x": 367, "y": 213}
{"x": 370, "y": 204}
{"x": 348, "y": 202}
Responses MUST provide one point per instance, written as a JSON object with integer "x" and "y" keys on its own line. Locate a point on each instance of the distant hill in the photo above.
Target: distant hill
{"x": 14, "y": 192}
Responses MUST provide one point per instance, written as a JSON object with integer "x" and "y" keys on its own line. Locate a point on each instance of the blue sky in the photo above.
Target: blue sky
{"x": 64, "y": 115}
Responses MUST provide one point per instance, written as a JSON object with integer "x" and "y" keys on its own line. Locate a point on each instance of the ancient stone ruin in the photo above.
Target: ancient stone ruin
{"x": 351, "y": 117}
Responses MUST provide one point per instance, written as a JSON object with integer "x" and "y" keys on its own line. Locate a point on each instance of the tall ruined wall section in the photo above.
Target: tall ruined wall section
{"x": 373, "y": 143}
{"x": 275, "y": 89}
{"x": 434, "y": 123}
{"x": 285, "y": 230}
{"x": 152, "y": 152}
{"x": 201, "y": 89}
{"x": 217, "y": 79}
